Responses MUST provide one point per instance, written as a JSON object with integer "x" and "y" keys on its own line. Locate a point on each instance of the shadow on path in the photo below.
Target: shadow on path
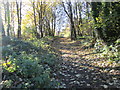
{"x": 77, "y": 71}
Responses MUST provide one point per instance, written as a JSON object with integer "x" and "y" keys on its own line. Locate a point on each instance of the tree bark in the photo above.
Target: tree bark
{"x": 70, "y": 16}
{"x": 35, "y": 23}
{"x": 19, "y": 5}
{"x": 95, "y": 8}
{"x": 1, "y": 24}
{"x": 8, "y": 19}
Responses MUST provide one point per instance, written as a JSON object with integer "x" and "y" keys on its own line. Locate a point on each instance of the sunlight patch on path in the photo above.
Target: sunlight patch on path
{"x": 78, "y": 67}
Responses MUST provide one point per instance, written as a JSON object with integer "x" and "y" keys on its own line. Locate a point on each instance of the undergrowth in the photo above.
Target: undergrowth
{"x": 28, "y": 64}
{"x": 111, "y": 52}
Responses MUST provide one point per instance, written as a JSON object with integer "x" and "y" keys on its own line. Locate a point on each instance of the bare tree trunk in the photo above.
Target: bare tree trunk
{"x": 12, "y": 19}
{"x": 1, "y": 24}
{"x": 5, "y": 6}
{"x": 8, "y": 19}
{"x": 80, "y": 19}
{"x": 70, "y": 15}
{"x": 87, "y": 7}
{"x": 73, "y": 31}
{"x": 39, "y": 6}
{"x": 19, "y": 5}
{"x": 35, "y": 23}
{"x": 54, "y": 26}
{"x": 53, "y": 23}
{"x": 41, "y": 20}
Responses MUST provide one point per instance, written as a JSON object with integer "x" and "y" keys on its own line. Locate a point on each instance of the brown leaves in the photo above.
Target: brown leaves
{"x": 83, "y": 67}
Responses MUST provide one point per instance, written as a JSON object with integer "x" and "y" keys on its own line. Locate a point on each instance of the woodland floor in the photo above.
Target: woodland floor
{"x": 81, "y": 68}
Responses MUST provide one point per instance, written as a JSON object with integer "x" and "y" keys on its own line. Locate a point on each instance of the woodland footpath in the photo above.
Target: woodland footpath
{"x": 60, "y": 44}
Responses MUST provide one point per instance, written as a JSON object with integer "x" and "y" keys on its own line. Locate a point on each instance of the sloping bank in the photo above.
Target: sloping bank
{"x": 28, "y": 64}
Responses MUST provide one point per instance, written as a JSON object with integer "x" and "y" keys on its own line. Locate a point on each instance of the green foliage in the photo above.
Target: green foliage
{"x": 107, "y": 20}
{"x": 7, "y": 83}
{"x": 111, "y": 52}
{"x": 29, "y": 63}
{"x": 99, "y": 45}
{"x": 86, "y": 27}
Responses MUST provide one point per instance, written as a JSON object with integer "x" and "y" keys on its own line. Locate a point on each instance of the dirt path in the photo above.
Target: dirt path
{"x": 77, "y": 68}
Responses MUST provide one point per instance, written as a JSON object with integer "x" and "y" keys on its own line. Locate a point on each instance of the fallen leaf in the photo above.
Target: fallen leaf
{"x": 105, "y": 86}
{"x": 78, "y": 75}
{"x": 110, "y": 83}
{"x": 88, "y": 84}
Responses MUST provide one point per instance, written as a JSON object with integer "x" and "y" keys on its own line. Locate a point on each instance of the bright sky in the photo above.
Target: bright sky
{"x": 66, "y": 0}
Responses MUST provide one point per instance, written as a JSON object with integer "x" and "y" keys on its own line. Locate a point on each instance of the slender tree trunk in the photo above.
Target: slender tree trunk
{"x": 80, "y": 19}
{"x": 88, "y": 16}
{"x": 39, "y": 6}
{"x": 1, "y": 24}
{"x": 53, "y": 23}
{"x": 73, "y": 31}
{"x": 49, "y": 28}
{"x": 19, "y": 4}
{"x": 35, "y": 23}
{"x": 12, "y": 19}
{"x": 5, "y": 9}
{"x": 70, "y": 16}
{"x": 41, "y": 20}
{"x": 8, "y": 19}
{"x": 54, "y": 26}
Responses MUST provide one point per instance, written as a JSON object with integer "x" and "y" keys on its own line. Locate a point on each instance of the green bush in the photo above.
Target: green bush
{"x": 99, "y": 45}
{"x": 111, "y": 52}
{"x": 28, "y": 64}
